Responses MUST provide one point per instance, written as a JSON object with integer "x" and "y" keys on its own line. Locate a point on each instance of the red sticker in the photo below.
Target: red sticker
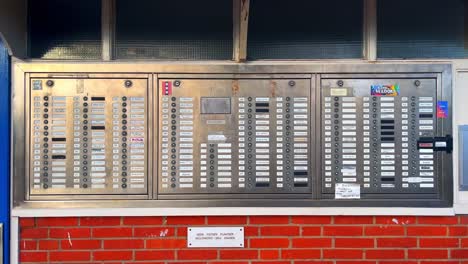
{"x": 166, "y": 88}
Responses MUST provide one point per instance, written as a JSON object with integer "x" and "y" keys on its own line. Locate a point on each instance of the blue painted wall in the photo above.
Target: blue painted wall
{"x": 5, "y": 148}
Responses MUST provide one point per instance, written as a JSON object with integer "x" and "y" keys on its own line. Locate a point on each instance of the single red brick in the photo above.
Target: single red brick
{"x": 227, "y": 220}
{"x": 112, "y": 255}
{"x": 463, "y": 219}
{"x": 143, "y": 220}
{"x": 166, "y": 243}
{"x": 438, "y": 220}
{"x": 100, "y": 221}
{"x": 70, "y": 233}
{"x": 279, "y": 231}
{"x": 182, "y": 232}
{"x": 77, "y": 244}
{"x": 269, "y": 254}
{"x": 311, "y": 220}
{"x": 144, "y": 262}
{"x": 384, "y": 230}
{"x": 250, "y": 231}
{"x": 269, "y": 242}
{"x": 28, "y": 244}
{"x": 268, "y": 220}
{"x": 400, "y": 242}
{"x": 342, "y": 230}
{"x": 459, "y": 253}
{"x": 427, "y": 231}
{"x": 57, "y": 221}
{"x": 35, "y": 233}
{"x": 185, "y": 220}
{"x": 155, "y": 255}
{"x": 224, "y": 262}
{"x": 357, "y": 262}
{"x": 153, "y": 232}
{"x": 353, "y": 220}
{"x": 400, "y": 262}
{"x": 354, "y": 242}
{"x": 385, "y": 254}
{"x": 464, "y": 242}
{"x": 197, "y": 254}
{"x": 48, "y": 244}
{"x": 300, "y": 253}
{"x": 238, "y": 254}
{"x": 342, "y": 254}
{"x": 438, "y": 242}
{"x": 112, "y": 232}
{"x": 313, "y": 262}
{"x": 33, "y": 256}
{"x": 440, "y": 262}
{"x": 26, "y": 222}
{"x": 271, "y": 262}
{"x": 311, "y": 242}
{"x": 395, "y": 220}
{"x": 427, "y": 254}
{"x": 311, "y": 231}
{"x": 124, "y": 244}
{"x": 458, "y": 230}
{"x": 75, "y": 256}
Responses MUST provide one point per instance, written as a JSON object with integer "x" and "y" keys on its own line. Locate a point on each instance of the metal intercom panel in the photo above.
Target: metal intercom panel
{"x": 381, "y": 134}
{"x": 88, "y": 136}
{"x": 257, "y": 135}
{"x": 235, "y": 136}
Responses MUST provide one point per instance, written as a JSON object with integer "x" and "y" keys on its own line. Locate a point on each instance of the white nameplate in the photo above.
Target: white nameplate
{"x": 215, "y": 237}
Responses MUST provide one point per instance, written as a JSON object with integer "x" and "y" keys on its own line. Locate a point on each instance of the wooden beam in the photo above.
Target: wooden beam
{"x": 108, "y": 29}
{"x": 241, "y": 24}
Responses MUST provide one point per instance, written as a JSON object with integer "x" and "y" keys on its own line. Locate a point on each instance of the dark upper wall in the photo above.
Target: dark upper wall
{"x": 13, "y": 26}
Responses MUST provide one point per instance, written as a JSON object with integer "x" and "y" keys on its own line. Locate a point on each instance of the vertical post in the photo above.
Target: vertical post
{"x": 370, "y": 30}
{"x": 5, "y": 149}
{"x": 241, "y": 24}
{"x": 108, "y": 29}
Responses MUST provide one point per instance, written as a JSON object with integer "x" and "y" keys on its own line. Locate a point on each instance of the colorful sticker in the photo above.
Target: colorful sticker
{"x": 442, "y": 109}
{"x": 166, "y": 88}
{"x": 385, "y": 90}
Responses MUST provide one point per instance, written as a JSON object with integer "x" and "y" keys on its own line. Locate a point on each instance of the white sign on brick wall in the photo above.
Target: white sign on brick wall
{"x": 215, "y": 237}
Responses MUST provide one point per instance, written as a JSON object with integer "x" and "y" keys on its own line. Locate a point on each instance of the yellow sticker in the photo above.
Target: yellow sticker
{"x": 338, "y": 92}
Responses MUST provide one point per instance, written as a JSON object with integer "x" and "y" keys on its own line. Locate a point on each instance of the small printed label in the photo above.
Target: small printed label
{"x": 338, "y": 92}
{"x": 37, "y": 85}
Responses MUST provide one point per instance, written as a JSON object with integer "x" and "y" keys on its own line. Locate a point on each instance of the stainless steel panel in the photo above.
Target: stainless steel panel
{"x": 370, "y": 129}
{"x": 88, "y": 136}
{"x": 221, "y": 80}
{"x": 235, "y": 136}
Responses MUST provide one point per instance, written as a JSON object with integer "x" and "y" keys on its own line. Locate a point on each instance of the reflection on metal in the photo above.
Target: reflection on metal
{"x": 224, "y": 134}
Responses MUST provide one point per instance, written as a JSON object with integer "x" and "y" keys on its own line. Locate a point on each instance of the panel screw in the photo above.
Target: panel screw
{"x": 340, "y": 83}
{"x": 128, "y": 83}
{"x": 292, "y": 83}
{"x": 50, "y": 83}
{"x": 177, "y": 83}
{"x": 417, "y": 83}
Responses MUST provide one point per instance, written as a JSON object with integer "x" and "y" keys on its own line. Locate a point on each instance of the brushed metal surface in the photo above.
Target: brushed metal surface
{"x": 216, "y": 79}
{"x": 88, "y": 136}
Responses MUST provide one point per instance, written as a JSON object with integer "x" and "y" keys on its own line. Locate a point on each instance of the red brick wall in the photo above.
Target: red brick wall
{"x": 269, "y": 239}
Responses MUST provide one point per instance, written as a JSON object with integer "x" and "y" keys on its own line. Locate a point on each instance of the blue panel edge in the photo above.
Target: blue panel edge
{"x": 5, "y": 95}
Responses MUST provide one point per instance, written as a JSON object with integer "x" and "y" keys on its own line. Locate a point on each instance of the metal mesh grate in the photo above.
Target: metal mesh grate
{"x": 65, "y": 29}
{"x": 421, "y": 29}
{"x": 176, "y": 29}
{"x": 304, "y": 29}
